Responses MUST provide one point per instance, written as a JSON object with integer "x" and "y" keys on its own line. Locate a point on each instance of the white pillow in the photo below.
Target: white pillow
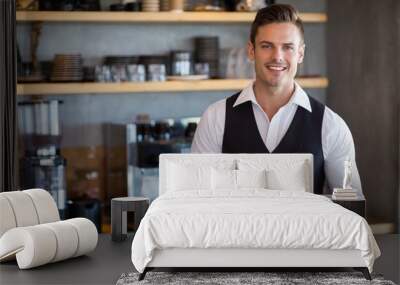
{"x": 223, "y": 179}
{"x": 282, "y": 174}
{"x": 251, "y": 178}
{"x": 227, "y": 179}
{"x": 182, "y": 177}
{"x": 293, "y": 179}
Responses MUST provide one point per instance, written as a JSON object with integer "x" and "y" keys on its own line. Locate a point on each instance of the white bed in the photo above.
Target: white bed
{"x": 201, "y": 220}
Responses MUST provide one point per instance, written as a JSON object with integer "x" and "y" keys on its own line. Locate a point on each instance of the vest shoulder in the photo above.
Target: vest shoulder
{"x": 232, "y": 99}
{"x": 315, "y": 102}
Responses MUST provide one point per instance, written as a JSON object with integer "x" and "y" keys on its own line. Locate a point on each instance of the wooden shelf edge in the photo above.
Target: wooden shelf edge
{"x": 313, "y": 82}
{"x": 167, "y": 86}
{"x": 152, "y": 17}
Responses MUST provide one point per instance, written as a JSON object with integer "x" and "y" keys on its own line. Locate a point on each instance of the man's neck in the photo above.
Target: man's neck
{"x": 271, "y": 99}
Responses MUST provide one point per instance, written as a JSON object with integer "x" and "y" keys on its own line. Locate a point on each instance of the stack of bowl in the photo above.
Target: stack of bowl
{"x": 67, "y": 68}
{"x": 207, "y": 51}
{"x": 151, "y": 5}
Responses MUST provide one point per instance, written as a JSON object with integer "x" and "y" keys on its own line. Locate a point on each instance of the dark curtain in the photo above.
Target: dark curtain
{"x": 8, "y": 127}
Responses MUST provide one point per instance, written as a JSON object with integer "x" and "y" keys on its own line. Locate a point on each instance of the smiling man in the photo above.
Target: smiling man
{"x": 274, "y": 114}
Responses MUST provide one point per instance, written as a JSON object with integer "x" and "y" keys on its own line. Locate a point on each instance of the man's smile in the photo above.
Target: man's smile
{"x": 276, "y": 67}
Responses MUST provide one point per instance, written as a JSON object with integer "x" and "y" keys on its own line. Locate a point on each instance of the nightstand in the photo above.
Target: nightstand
{"x": 119, "y": 208}
{"x": 357, "y": 206}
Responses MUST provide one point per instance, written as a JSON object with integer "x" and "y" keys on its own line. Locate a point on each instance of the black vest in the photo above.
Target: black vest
{"x": 241, "y": 134}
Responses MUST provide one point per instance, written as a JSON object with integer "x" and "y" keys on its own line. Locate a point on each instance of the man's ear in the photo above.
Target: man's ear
{"x": 250, "y": 50}
{"x": 302, "y": 50}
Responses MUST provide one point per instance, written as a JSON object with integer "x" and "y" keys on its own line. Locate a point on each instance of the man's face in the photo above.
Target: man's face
{"x": 277, "y": 51}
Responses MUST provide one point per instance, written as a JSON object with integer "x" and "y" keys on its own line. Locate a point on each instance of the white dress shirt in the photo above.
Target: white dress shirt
{"x": 337, "y": 141}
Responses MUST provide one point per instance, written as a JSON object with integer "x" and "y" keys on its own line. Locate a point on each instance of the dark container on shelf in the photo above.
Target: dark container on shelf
{"x": 190, "y": 131}
{"x": 133, "y": 6}
{"x": 47, "y": 5}
{"x": 162, "y": 131}
{"x": 230, "y": 5}
{"x": 144, "y": 132}
{"x": 117, "y": 7}
{"x": 66, "y": 5}
{"x": 46, "y": 68}
{"x": 88, "y": 74}
{"x": 88, "y": 5}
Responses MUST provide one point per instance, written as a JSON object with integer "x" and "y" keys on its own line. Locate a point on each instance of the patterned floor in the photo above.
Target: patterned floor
{"x": 242, "y": 278}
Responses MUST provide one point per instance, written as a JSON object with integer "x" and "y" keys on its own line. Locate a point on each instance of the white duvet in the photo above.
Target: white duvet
{"x": 252, "y": 218}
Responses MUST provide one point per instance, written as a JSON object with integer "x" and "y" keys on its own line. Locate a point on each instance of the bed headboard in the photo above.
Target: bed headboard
{"x": 213, "y": 159}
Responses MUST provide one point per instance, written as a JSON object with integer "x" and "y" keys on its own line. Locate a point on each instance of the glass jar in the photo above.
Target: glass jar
{"x": 182, "y": 63}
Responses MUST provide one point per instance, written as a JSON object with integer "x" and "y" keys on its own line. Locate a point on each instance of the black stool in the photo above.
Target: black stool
{"x": 119, "y": 207}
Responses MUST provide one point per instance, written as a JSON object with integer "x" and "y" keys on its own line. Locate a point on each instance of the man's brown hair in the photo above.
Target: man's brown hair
{"x": 276, "y": 13}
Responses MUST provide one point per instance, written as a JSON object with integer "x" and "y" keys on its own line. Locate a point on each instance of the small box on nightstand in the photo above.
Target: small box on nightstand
{"x": 356, "y": 205}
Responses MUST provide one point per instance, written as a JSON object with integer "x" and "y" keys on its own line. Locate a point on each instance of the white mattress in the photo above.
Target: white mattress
{"x": 253, "y": 218}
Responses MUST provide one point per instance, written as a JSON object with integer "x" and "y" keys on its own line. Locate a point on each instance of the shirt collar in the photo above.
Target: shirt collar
{"x": 299, "y": 97}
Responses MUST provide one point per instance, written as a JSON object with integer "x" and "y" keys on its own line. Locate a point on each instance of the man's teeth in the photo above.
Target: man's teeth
{"x": 279, "y": 68}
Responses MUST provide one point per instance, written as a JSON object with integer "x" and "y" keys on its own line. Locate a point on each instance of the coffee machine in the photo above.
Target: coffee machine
{"x": 146, "y": 140}
{"x": 42, "y": 166}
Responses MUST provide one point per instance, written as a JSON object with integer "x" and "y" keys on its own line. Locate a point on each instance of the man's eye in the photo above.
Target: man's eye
{"x": 266, "y": 46}
{"x": 288, "y": 48}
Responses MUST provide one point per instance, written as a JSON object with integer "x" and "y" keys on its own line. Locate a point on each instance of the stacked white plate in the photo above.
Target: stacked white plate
{"x": 151, "y": 5}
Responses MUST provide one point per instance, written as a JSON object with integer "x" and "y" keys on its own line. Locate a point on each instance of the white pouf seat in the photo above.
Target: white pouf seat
{"x": 31, "y": 230}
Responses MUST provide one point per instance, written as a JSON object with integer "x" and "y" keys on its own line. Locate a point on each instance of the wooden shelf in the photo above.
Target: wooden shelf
{"x": 167, "y": 86}
{"x": 152, "y": 17}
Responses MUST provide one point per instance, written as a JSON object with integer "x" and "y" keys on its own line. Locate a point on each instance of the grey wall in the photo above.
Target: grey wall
{"x": 84, "y": 114}
{"x": 363, "y": 61}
